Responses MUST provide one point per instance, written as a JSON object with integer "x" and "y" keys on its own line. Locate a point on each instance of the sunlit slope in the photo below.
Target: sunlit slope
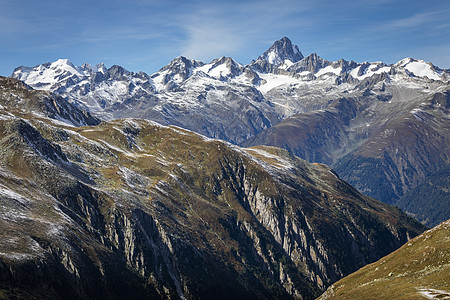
{"x": 418, "y": 270}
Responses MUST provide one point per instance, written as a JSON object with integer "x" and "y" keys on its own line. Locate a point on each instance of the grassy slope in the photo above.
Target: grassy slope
{"x": 423, "y": 264}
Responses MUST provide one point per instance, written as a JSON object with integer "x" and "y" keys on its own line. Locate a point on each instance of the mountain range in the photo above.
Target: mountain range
{"x": 383, "y": 128}
{"x": 210, "y": 180}
{"x": 129, "y": 208}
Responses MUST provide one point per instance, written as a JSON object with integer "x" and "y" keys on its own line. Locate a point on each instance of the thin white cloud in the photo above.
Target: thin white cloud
{"x": 410, "y": 22}
{"x": 223, "y": 29}
{"x": 417, "y": 21}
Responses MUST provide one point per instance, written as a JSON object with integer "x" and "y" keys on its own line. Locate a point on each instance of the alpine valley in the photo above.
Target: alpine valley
{"x": 122, "y": 185}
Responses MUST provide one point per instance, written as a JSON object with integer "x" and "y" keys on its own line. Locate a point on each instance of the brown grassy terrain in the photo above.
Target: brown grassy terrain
{"x": 420, "y": 267}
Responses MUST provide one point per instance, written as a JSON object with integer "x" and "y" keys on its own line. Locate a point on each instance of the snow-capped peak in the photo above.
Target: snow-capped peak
{"x": 181, "y": 64}
{"x": 404, "y": 62}
{"x": 177, "y": 71}
{"x": 65, "y": 65}
{"x": 88, "y": 69}
{"x": 222, "y": 67}
{"x": 46, "y": 76}
{"x": 101, "y": 68}
{"x": 419, "y": 68}
{"x": 62, "y": 62}
{"x": 281, "y": 51}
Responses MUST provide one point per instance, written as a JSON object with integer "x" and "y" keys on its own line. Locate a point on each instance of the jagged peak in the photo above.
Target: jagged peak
{"x": 182, "y": 62}
{"x": 220, "y": 60}
{"x": 101, "y": 68}
{"x": 281, "y": 51}
{"x": 118, "y": 69}
{"x": 403, "y": 62}
{"x": 313, "y": 57}
{"x": 312, "y": 63}
{"x": 225, "y": 60}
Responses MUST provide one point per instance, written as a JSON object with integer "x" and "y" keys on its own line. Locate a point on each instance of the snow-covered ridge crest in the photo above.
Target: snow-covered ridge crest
{"x": 421, "y": 68}
{"x": 91, "y": 87}
{"x": 47, "y": 75}
{"x": 282, "y": 58}
{"x": 181, "y": 69}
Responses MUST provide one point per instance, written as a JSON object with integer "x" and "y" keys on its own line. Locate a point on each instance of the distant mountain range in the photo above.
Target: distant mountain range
{"x": 384, "y": 128}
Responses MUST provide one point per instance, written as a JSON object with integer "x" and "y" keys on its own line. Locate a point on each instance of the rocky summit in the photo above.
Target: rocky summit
{"x": 382, "y": 127}
{"x": 129, "y": 208}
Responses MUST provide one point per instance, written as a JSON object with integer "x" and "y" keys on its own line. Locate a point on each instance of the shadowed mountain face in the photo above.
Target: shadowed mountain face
{"x": 132, "y": 209}
{"x": 415, "y": 147}
{"x": 383, "y": 128}
{"x": 316, "y": 136}
{"x": 418, "y": 270}
{"x": 435, "y": 189}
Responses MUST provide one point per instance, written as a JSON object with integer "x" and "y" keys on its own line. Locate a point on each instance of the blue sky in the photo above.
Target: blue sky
{"x": 145, "y": 35}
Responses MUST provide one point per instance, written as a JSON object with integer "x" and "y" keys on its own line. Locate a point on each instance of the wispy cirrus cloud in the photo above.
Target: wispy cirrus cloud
{"x": 426, "y": 21}
{"x": 223, "y": 28}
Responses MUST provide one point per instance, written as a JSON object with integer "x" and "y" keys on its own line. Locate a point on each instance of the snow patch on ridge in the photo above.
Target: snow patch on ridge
{"x": 273, "y": 58}
{"x": 419, "y": 68}
{"x": 286, "y": 64}
{"x": 278, "y": 162}
{"x": 433, "y": 294}
{"x": 329, "y": 69}
{"x": 372, "y": 70}
{"x": 422, "y": 69}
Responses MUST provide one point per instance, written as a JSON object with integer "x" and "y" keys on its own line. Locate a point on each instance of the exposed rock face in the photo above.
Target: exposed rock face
{"x": 312, "y": 63}
{"x": 132, "y": 209}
